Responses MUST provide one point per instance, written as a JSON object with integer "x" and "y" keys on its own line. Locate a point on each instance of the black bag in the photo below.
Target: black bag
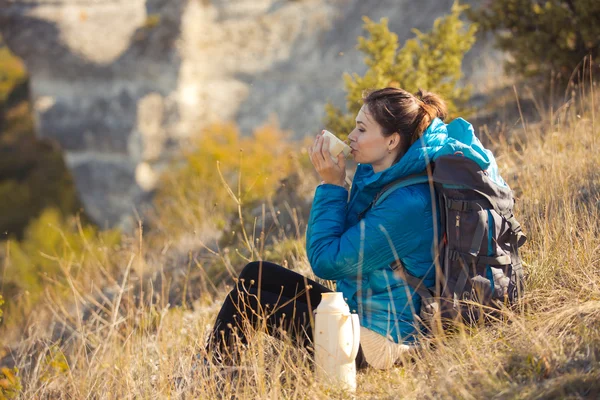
{"x": 479, "y": 231}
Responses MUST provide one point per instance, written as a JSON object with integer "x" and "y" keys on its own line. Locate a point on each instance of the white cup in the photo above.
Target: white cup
{"x": 336, "y": 146}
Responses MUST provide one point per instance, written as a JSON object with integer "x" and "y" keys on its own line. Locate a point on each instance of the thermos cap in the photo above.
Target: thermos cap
{"x": 333, "y": 303}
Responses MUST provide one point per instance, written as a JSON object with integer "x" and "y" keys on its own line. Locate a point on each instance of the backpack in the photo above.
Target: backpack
{"x": 477, "y": 258}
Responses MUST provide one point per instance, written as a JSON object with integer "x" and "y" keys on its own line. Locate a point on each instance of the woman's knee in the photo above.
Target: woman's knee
{"x": 252, "y": 269}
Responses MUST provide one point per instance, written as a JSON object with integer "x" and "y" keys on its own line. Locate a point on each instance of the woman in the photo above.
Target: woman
{"x": 397, "y": 134}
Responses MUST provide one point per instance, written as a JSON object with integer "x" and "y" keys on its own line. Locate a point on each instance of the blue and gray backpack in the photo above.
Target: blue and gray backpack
{"x": 477, "y": 261}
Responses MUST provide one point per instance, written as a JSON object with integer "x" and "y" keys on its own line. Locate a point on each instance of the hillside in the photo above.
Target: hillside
{"x": 105, "y": 343}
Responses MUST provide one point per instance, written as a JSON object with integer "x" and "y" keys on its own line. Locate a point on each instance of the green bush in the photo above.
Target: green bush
{"x": 543, "y": 36}
{"x": 52, "y": 248}
{"x": 33, "y": 174}
{"x": 430, "y": 61}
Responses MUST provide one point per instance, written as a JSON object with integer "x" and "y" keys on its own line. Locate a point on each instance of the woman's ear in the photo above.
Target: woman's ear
{"x": 394, "y": 141}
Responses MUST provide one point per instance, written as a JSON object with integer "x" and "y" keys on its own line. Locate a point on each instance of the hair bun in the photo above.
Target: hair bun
{"x": 432, "y": 104}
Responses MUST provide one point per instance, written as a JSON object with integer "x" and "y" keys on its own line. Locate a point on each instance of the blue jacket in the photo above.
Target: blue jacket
{"x": 357, "y": 254}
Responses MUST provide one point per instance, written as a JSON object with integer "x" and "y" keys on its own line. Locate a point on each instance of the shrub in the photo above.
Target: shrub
{"x": 221, "y": 172}
{"x": 430, "y": 61}
{"x": 33, "y": 174}
{"x": 53, "y": 247}
{"x": 10, "y": 383}
{"x": 33, "y": 177}
{"x": 543, "y": 36}
{"x": 12, "y": 72}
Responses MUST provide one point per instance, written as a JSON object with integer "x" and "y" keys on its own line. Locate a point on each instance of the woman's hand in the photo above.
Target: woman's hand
{"x": 320, "y": 157}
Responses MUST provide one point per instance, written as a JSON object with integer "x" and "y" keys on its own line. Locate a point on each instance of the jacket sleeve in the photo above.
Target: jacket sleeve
{"x": 389, "y": 230}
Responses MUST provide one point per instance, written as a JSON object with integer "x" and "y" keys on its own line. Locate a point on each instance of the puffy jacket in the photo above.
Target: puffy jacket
{"x": 358, "y": 253}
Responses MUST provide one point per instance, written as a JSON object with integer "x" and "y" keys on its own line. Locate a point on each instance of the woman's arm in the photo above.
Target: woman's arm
{"x": 336, "y": 254}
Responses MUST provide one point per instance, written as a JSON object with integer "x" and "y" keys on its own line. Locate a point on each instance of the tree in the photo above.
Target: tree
{"x": 544, "y": 37}
{"x": 33, "y": 173}
{"x": 431, "y": 61}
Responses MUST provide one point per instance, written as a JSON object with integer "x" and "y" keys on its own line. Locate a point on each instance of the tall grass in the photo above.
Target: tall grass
{"x": 107, "y": 344}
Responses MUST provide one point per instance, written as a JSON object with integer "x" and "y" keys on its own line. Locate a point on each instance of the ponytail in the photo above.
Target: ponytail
{"x": 431, "y": 106}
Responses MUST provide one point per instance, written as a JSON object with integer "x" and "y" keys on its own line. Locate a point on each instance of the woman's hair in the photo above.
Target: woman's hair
{"x": 397, "y": 110}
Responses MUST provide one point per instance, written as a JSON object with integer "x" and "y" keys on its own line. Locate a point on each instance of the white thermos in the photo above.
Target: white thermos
{"x": 336, "y": 339}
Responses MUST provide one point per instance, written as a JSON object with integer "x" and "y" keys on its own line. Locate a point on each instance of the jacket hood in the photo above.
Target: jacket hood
{"x": 461, "y": 140}
{"x": 439, "y": 139}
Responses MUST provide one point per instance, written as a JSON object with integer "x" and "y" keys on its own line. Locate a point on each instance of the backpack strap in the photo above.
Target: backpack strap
{"x": 466, "y": 205}
{"x": 421, "y": 177}
{"x": 479, "y": 260}
{"x": 482, "y": 223}
{"x": 414, "y": 282}
{"x": 515, "y": 227}
{"x": 411, "y": 280}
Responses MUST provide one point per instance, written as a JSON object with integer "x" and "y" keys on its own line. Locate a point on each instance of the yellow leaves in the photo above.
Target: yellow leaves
{"x": 55, "y": 364}
{"x": 152, "y": 21}
{"x": 9, "y": 378}
{"x": 256, "y": 159}
{"x": 251, "y": 168}
{"x": 12, "y": 71}
{"x": 571, "y": 40}
{"x": 10, "y": 383}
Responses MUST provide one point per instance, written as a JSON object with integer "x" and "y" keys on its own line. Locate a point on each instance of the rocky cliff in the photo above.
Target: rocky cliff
{"x": 120, "y": 82}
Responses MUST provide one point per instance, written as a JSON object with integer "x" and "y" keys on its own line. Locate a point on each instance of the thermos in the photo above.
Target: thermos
{"x": 336, "y": 340}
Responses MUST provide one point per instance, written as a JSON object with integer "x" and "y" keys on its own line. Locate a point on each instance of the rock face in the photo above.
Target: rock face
{"x": 120, "y": 82}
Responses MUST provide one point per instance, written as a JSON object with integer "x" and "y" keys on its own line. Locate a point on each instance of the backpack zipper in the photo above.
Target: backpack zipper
{"x": 457, "y": 225}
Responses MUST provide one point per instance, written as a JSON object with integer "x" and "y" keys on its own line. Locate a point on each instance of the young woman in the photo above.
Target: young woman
{"x": 396, "y": 135}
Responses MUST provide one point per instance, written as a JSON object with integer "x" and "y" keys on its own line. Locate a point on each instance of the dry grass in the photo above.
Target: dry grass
{"x": 548, "y": 347}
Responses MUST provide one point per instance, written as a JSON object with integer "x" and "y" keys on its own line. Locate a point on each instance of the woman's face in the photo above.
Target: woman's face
{"x": 368, "y": 144}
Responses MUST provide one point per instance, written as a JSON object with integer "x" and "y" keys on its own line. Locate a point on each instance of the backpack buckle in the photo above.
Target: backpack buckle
{"x": 453, "y": 255}
{"x": 519, "y": 238}
{"x": 458, "y": 205}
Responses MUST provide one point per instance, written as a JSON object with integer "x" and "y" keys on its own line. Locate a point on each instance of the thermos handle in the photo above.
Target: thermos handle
{"x": 355, "y": 335}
